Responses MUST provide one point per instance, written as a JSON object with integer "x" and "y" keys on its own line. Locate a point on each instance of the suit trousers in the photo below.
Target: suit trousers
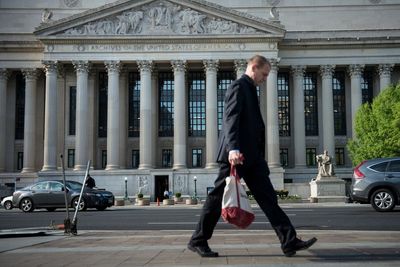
{"x": 256, "y": 176}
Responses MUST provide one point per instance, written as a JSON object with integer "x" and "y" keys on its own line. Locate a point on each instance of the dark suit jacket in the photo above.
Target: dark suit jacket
{"x": 242, "y": 125}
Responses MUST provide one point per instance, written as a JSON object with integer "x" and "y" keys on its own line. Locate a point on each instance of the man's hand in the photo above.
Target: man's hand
{"x": 235, "y": 157}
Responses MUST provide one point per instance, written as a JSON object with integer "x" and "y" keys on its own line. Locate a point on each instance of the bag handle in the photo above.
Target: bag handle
{"x": 237, "y": 181}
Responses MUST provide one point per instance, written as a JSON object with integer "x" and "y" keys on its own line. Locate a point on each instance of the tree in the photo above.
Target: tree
{"x": 377, "y": 127}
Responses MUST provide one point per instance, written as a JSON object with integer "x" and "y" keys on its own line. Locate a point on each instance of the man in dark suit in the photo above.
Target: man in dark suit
{"x": 242, "y": 143}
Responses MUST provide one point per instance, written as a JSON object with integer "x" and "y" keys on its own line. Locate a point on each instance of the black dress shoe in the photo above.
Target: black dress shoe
{"x": 299, "y": 245}
{"x": 203, "y": 251}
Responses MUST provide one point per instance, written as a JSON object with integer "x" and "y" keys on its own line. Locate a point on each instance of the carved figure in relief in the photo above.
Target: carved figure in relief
{"x": 192, "y": 21}
{"x": 142, "y": 185}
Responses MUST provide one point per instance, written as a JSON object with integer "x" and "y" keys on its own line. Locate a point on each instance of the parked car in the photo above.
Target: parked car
{"x": 50, "y": 195}
{"x": 377, "y": 181}
{"x": 7, "y": 203}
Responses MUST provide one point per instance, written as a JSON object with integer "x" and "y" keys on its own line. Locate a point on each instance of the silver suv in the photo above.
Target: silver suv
{"x": 377, "y": 181}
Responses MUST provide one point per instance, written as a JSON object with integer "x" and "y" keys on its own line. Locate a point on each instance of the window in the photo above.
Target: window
{"x": 103, "y": 92}
{"x": 71, "y": 158}
{"x": 197, "y": 158}
{"x": 134, "y": 104}
{"x": 339, "y": 103}
{"x": 339, "y": 156}
{"x": 283, "y": 104}
{"x": 197, "y": 104}
{"x": 367, "y": 87}
{"x": 225, "y": 78}
{"x": 40, "y": 186}
{"x": 310, "y": 156}
{"x": 20, "y": 160}
{"x": 310, "y": 104}
{"x": 135, "y": 159}
{"x": 166, "y": 158}
{"x": 380, "y": 167}
{"x": 394, "y": 166}
{"x": 284, "y": 153}
{"x": 55, "y": 186}
{"x": 19, "y": 107}
{"x": 72, "y": 110}
{"x": 166, "y": 108}
{"x": 103, "y": 159}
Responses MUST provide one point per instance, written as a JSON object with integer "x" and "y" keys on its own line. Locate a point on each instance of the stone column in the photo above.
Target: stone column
{"x": 146, "y": 129}
{"x": 113, "y": 108}
{"x": 123, "y": 121}
{"x": 328, "y": 130}
{"x": 299, "y": 121}
{"x": 355, "y": 72}
{"x": 272, "y": 127}
{"x": 385, "y": 71}
{"x": 240, "y": 66}
{"x": 31, "y": 76}
{"x": 4, "y": 74}
{"x": 82, "y": 115}
{"x": 180, "y": 118}
{"x": 154, "y": 115}
{"x": 50, "y": 117}
{"x": 211, "y": 68}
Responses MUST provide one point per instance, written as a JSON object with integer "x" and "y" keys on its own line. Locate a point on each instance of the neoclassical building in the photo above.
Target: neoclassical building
{"x": 136, "y": 87}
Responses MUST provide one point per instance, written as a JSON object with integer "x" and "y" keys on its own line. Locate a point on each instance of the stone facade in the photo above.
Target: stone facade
{"x": 53, "y": 47}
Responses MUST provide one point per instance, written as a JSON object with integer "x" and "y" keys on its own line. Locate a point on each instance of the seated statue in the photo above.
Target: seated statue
{"x": 325, "y": 166}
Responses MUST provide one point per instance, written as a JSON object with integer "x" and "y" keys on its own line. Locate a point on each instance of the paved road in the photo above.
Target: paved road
{"x": 306, "y": 217}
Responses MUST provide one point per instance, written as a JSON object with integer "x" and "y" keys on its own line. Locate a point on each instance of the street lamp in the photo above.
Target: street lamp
{"x": 126, "y": 188}
{"x": 195, "y": 187}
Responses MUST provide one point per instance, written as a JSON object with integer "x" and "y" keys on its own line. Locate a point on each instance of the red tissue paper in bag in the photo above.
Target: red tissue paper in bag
{"x": 236, "y": 208}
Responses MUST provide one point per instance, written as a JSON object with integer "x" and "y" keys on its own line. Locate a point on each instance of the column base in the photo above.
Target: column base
{"x": 112, "y": 167}
{"x": 178, "y": 166}
{"x": 212, "y": 165}
{"x": 25, "y": 170}
{"x": 49, "y": 168}
{"x": 145, "y": 166}
{"x": 80, "y": 168}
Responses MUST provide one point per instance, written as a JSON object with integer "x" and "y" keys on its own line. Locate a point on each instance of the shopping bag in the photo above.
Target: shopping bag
{"x": 236, "y": 208}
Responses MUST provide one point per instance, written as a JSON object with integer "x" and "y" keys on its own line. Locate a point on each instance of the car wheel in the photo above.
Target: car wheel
{"x": 50, "y": 209}
{"x": 82, "y": 204}
{"x": 8, "y": 205}
{"x": 383, "y": 200}
{"x": 101, "y": 208}
{"x": 26, "y": 205}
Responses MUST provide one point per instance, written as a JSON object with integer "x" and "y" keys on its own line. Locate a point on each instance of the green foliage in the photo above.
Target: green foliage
{"x": 377, "y": 127}
{"x": 140, "y": 196}
{"x": 178, "y": 194}
{"x": 282, "y": 193}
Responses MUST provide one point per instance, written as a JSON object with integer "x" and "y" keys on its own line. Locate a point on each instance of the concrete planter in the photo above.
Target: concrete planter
{"x": 168, "y": 202}
{"x": 143, "y": 202}
{"x": 191, "y": 201}
{"x": 178, "y": 199}
{"x": 119, "y": 202}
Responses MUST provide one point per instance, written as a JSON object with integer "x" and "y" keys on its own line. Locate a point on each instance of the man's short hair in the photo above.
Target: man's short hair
{"x": 259, "y": 61}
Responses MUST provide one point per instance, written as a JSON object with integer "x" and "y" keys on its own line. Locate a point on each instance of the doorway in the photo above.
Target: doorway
{"x": 161, "y": 183}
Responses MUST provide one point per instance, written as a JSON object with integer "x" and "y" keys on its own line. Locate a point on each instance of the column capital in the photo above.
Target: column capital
{"x": 211, "y": 64}
{"x": 178, "y": 65}
{"x": 113, "y": 66}
{"x": 356, "y": 70}
{"x": 81, "y": 66}
{"x": 240, "y": 65}
{"x": 298, "y": 70}
{"x": 49, "y": 66}
{"x": 60, "y": 71}
{"x": 145, "y": 65}
{"x": 326, "y": 71}
{"x": 4, "y": 74}
{"x": 385, "y": 69}
{"x": 30, "y": 74}
{"x": 274, "y": 64}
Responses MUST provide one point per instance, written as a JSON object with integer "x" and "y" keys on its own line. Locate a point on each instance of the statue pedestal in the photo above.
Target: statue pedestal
{"x": 327, "y": 189}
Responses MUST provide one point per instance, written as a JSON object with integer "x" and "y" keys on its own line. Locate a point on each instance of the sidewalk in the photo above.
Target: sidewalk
{"x": 168, "y": 248}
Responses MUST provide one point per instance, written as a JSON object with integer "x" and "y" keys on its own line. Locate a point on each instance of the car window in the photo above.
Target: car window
{"x": 380, "y": 167}
{"x": 394, "y": 166}
{"x": 40, "y": 186}
{"x": 54, "y": 186}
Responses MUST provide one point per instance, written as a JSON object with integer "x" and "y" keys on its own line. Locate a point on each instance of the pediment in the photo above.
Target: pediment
{"x": 164, "y": 18}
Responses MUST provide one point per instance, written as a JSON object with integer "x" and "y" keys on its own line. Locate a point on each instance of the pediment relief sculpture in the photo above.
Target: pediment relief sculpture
{"x": 161, "y": 18}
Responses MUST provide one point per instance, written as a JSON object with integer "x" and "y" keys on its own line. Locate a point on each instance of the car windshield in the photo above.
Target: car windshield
{"x": 74, "y": 185}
